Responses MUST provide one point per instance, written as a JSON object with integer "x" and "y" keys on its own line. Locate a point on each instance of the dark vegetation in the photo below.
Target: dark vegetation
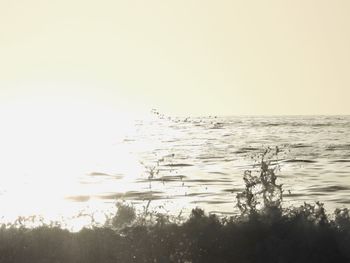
{"x": 264, "y": 231}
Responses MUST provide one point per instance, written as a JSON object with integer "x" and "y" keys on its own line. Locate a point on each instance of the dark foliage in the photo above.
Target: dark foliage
{"x": 301, "y": 236}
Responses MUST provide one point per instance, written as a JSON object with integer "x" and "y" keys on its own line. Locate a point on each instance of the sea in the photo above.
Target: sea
{"x": 170, "y": 165}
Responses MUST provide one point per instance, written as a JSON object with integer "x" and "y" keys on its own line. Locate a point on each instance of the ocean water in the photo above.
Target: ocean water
{"x": 171, "y": 165}
{"x": 201, "y": 160}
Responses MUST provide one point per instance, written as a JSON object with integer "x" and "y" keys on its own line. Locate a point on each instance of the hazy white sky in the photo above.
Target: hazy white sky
{"x": 183, "y": 57}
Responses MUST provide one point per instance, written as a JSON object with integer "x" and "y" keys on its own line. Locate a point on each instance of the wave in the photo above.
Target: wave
{"x": 330, "y": 189}
{"x": 299, "y": 161}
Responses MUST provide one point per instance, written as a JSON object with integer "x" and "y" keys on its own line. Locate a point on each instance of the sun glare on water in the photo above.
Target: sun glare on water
{"x": 49, "y": 149}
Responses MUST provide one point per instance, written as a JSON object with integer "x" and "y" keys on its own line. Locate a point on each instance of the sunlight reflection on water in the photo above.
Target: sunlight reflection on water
{"x": 46, "y": 153}
{"x": 58, "y": 163}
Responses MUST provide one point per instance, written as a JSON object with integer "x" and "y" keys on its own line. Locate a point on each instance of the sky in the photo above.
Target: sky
{"x": 183, "y": 57}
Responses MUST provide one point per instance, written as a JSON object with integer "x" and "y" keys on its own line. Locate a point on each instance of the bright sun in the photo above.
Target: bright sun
{"x": 46, "y": 147}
